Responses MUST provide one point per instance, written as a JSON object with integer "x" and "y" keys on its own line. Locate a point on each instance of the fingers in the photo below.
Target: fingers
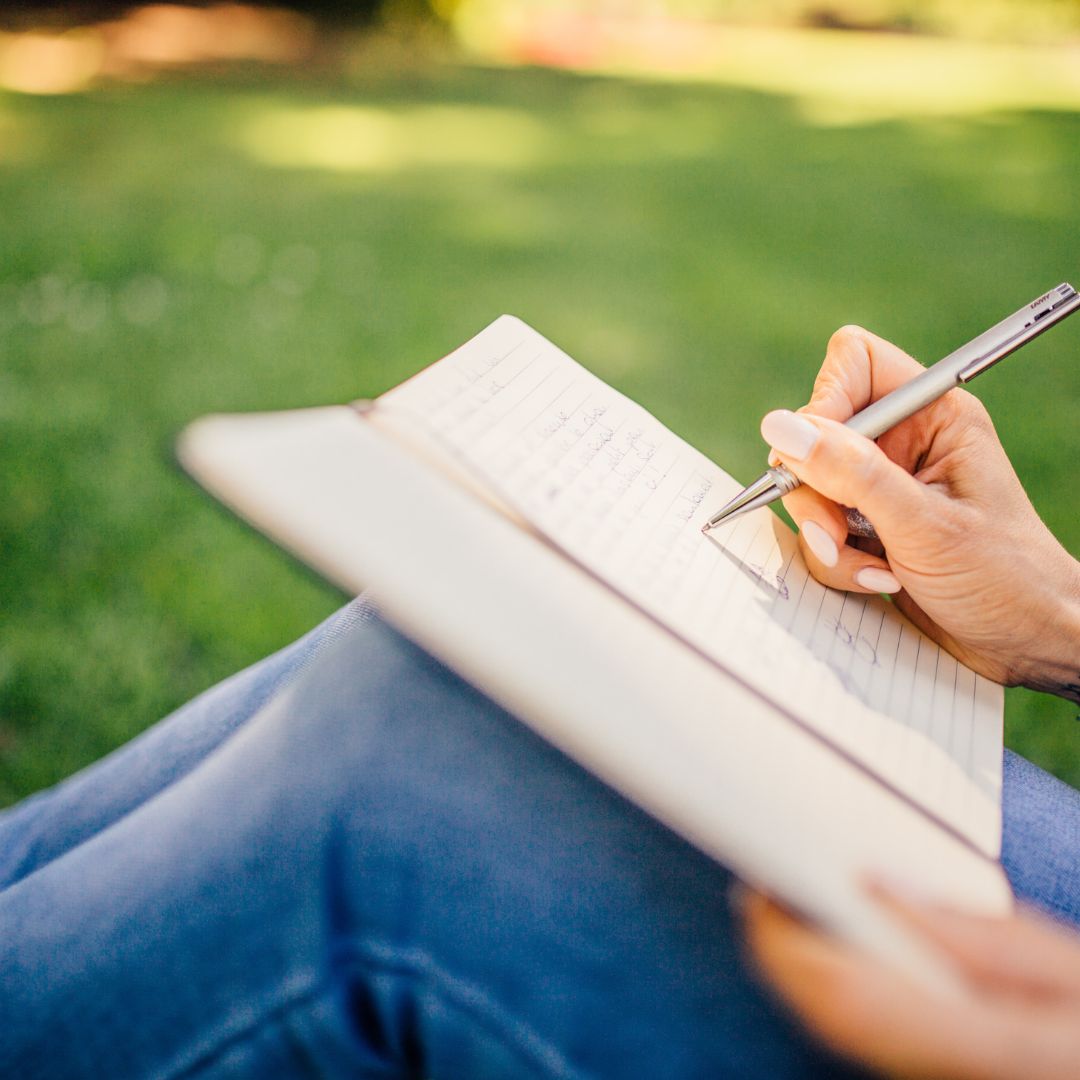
{"x": 1026, "y": 954}
{"x": 865, "y": 1011}
{"x": 859, "y": 368}
{"x": 823, "y": 542}
{"x": 857, "y": 1006}
{"x": 849, "y": 470}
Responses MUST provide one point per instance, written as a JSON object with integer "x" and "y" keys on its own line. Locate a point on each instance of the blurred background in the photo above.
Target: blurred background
{"x": 239, "y": 207}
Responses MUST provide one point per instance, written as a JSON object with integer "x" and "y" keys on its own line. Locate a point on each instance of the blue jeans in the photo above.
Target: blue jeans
{"x": 346, "y": 862}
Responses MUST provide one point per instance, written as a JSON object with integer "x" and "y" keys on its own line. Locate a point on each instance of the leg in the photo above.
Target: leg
{"x": 1041, "y": 839}
{"x": 48, "y": 824}
{"x": 383, "y": 874}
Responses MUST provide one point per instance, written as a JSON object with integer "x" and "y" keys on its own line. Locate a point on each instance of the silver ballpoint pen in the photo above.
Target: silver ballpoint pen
{"x": 956, "y": 369}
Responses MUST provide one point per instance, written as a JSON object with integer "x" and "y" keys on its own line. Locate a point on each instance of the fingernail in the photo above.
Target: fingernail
{"x": 774, "y": 458}
{"x": 793, "y": 436}
{"x": 820, "y": 543}
{"x": 877, "y": 580}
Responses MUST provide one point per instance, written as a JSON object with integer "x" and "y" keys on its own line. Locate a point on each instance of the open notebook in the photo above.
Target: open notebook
{"x": 541, "y": 533}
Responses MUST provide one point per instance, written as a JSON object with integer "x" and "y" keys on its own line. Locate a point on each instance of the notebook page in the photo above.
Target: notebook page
{"x": 623, "y": 496}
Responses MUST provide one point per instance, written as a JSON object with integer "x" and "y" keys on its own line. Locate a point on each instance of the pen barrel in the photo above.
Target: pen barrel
{"x": 968, "y": 361}
{"x": 905, "y": 400}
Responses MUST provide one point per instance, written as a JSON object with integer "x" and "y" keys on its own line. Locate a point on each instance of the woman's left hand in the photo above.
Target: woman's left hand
{"x": 1021, "y": 1020}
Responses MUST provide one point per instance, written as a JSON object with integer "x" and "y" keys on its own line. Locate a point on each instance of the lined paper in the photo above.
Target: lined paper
{"x": 619, "y": 493}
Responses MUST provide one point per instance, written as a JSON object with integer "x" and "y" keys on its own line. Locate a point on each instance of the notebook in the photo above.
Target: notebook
{"x": 541, "y": 534}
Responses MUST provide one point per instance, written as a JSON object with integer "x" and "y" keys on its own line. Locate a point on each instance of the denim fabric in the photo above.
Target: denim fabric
{"x": 48, "y": 824}
{"x": 1040, "y": 845}
{"x": 346, "y": 862}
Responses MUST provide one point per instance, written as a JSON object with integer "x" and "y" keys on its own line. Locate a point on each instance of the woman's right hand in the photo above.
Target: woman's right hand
{"x": 964, "y": 553}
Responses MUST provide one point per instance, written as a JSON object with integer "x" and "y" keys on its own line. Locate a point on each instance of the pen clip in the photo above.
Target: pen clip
{"x": 1040, "y": 315}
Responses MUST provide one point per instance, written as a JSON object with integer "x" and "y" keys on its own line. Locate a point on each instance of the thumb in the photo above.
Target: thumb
{"x": 849, "y": 469}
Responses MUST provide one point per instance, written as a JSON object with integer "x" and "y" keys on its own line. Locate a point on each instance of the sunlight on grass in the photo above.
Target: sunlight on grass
{"x": 353, "y": 138}
{"x": 837, "y": 77}
{"x": 49, "y": 63}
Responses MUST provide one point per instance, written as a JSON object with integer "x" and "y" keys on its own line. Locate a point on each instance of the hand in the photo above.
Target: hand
{"x": 961, "y": 547}
{"x": 1021, "y": 1021}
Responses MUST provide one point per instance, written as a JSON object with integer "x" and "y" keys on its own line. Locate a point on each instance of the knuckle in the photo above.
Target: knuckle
{"x": 963, "y": 404}
{"x": 971, "y": 409}
{"x": 860, "y": 462}
{"x": 827, "y": 386}
{"x": 847, "y": 335}
{"x": 962, "y": 408}
{"x": 875, "y": 465}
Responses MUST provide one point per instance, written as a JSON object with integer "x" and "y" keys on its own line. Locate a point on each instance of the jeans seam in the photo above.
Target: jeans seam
{"x": 535, "y": 1051}
{"x": 275, "y": 1015}
{"x": 532, "y": 1049}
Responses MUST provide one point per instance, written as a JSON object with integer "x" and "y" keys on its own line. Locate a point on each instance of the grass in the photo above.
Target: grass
{"x": 694, "y": 245}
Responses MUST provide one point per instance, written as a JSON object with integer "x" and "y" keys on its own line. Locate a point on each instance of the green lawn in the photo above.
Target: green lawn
{"x": 695, "y": 246}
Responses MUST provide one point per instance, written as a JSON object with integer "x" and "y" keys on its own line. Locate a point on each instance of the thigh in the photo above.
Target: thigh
{"x": 46, "y": 825}
{"x": 384, "y": 874}
{"x": 1040, "y": 847}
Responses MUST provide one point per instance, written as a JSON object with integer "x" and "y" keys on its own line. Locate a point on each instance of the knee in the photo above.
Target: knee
{"x": 373, "y": 692}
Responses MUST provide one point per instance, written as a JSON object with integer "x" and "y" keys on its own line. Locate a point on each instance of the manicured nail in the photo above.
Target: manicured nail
{"x": 877, "y": 580}
{"x": 774, "y": 458}
{"x": 792, "y": 435}
{"x": 820, "y": 543}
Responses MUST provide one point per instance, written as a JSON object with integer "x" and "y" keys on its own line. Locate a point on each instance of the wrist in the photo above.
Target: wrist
{"x": 1054, "y": 667}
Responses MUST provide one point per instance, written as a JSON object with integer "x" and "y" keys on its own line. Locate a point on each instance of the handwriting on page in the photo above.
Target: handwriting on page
{"x": 625, "y": 497}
